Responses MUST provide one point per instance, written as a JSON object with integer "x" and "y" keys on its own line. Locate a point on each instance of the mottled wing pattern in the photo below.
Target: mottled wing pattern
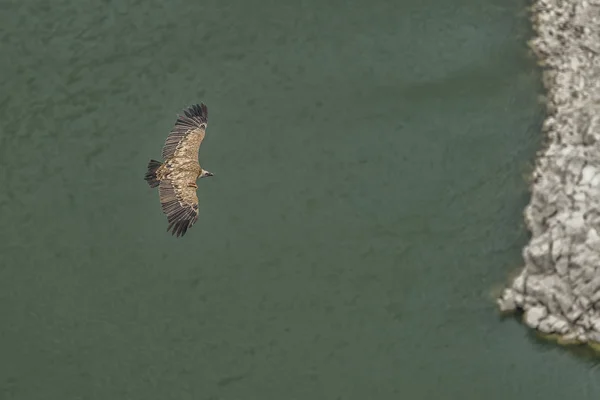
{"x": 187, "y": 134}
{"x": 179, "y": 202}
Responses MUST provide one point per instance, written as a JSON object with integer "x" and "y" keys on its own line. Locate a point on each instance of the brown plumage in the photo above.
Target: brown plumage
{"x": 176, "y": 177}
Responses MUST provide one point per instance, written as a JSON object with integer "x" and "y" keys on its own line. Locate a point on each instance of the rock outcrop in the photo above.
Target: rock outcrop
{"x": 559, "y": 288}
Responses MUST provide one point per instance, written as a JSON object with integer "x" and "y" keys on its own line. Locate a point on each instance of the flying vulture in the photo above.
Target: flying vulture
{"x": 176, "y": 176}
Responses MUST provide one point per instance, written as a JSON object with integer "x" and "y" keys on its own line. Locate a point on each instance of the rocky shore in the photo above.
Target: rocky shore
{"x": 559, "y": 288}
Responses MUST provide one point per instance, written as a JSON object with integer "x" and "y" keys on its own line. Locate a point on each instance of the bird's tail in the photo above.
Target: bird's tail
{"x": 150, "y": 176}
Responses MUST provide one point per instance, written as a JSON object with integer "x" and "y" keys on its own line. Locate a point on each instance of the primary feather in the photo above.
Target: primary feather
{"x": 176, "y": 176}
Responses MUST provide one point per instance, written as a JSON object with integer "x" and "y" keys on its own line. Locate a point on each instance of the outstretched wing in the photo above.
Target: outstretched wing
{"x": 179, "y": 202}
{"x": 186, "y": 136}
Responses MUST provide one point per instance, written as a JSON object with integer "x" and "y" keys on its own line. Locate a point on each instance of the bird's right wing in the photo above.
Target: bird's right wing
{"x": 179, "y": 202}
{"x": 188, "y": 133}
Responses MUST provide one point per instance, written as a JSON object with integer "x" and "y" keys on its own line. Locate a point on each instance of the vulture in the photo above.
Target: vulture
{"x": 177, "y": 174}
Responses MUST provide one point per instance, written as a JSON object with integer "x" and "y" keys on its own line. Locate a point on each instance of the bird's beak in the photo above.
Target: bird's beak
{"x": 209, "y": 174}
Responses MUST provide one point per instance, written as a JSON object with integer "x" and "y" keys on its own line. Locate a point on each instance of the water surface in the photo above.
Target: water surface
{"x": 368, "y": 196}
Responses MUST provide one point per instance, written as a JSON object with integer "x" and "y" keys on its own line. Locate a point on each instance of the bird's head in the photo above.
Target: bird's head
{"x": 204, "y": 173}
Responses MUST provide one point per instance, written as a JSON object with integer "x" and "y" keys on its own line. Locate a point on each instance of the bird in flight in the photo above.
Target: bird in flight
{"x": 177, "y": 175}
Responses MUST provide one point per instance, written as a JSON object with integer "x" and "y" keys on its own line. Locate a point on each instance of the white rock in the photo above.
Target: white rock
{"x": 562, "y": 266}
{"x": 593, "y": 336}
{"x": 506, "y": 303}
{"x": 519, "y": 284}
{"x": 595, "y": 322}
{"x": 593, "y": 240}
{"x": 518, "y": 299}
{"x": 534, "y": 315}
{"x": 587, "y": 174}
{"x": 560, "y": 285}
{"x": 560, "y": 246}
{"x": 592, "y": 286}
{"x": 574, "y": 314}
{"x": 584, "y": 302}
{"x": 595, "y": 181}
{"x": 579, "y": 197}
{"x": 575, "y": 224}
{"x": 595, "y": 297}
{"x": 556, "y": 324}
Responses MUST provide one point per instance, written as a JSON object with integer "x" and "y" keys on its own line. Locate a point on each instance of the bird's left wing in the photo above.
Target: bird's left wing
{"x": 179, "y": 202}
{"x": 188, "y": 133}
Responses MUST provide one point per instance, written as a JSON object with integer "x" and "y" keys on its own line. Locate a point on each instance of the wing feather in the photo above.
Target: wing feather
{"x": 180, "y": 204}
{"x": 187, "y": 134}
